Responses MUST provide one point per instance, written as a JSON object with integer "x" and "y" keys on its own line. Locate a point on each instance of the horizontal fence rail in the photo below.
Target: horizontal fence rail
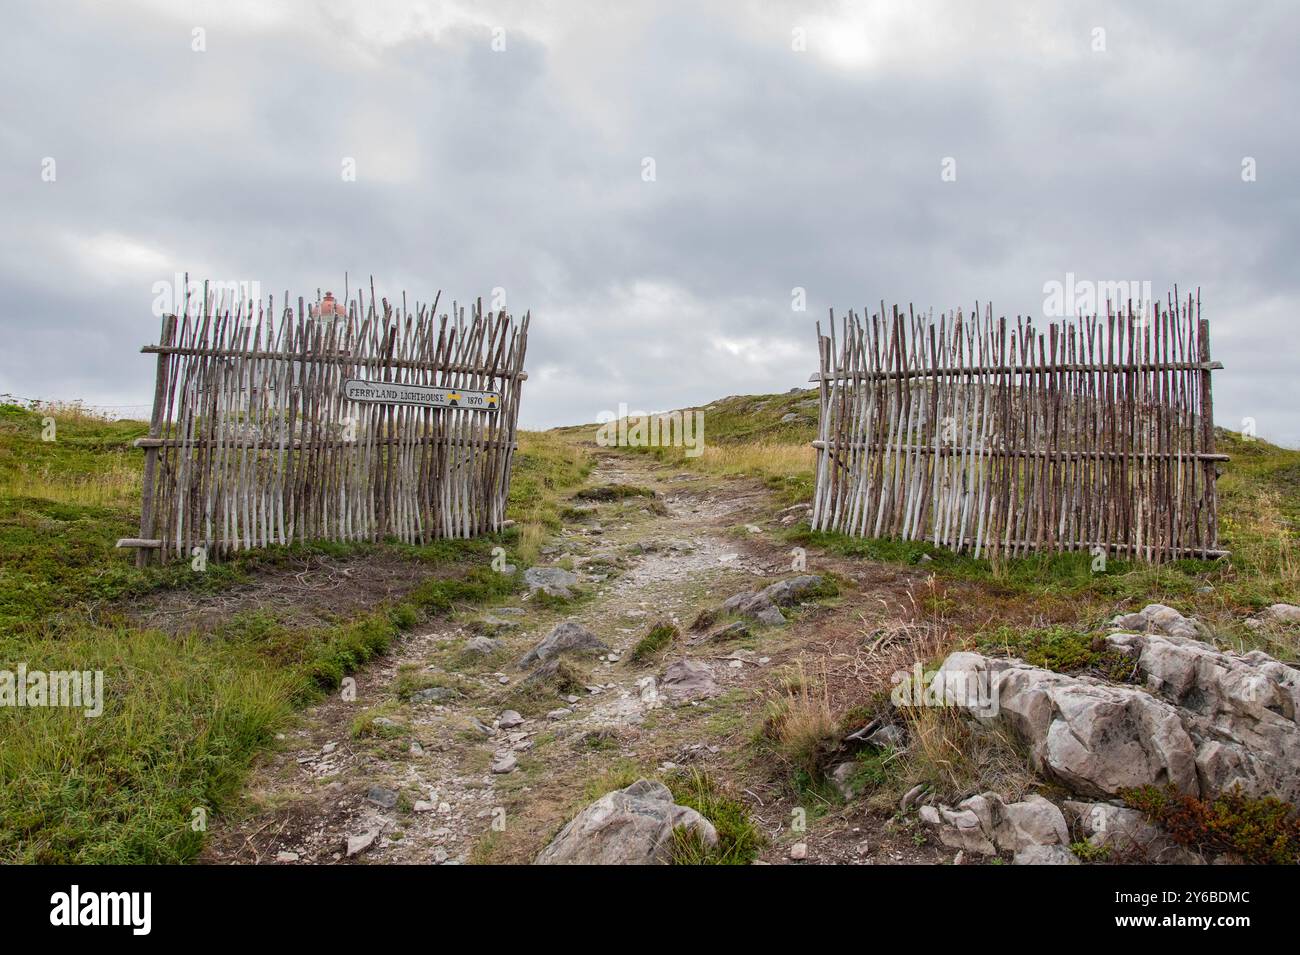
{"x": 254, "y": 439}
{"x": 1095, "y": 433}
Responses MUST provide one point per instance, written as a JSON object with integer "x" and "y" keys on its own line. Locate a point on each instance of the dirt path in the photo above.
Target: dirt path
{"x": 405, "y": 781}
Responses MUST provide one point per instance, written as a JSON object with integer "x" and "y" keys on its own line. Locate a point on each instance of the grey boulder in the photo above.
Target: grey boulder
{"x": 1128, "y": 833}
{"x": 567, "y": 637}
{"x": 1239, "y": 708}
{"x": 736, "y": 630}
{"x": 433, "y": 694}
{"x": 688, "y": 680}
{"x": 1157, "y": 618}
{"x": 1281, "y": 613}
{"x": 755, "y": 607}
{"x": 483, "y": 645}
{"x": 787, "y": 593}
{"x": 764, "y": 605}
{"x": 384, "y": 798}
{"x": 554, "y": 581}
{"x": 632, "y": 826}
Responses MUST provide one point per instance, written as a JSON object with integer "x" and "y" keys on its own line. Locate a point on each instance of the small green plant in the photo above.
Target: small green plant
{"x": 873, "y": 770}
{"x": 739, "y": 839}
{"x": 480, "y": 585}
{"x": 613, "y": 492}
{"x": 1087, "y": 852}
{"x": 377, "y": 722}
{"x": 404, "y": 616}
{"x": 411, "y": 680}
{"x": 660, "y": 637}
{"x": 540, "y": 690}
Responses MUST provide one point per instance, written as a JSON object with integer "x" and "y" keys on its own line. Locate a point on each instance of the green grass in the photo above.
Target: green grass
{"x": 546, "y": 469}
{"x": 660, "y": 637}
{"x": 613, "y": 492}
{"x": 184, "y": 714}
{"x": 739, "y": 839}
{"x": 1061, "y": 649}
{"x": 182, "y": 719}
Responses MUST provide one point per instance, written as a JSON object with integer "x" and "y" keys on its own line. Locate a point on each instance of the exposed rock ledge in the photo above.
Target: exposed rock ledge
{"x": 1204, "y": 722}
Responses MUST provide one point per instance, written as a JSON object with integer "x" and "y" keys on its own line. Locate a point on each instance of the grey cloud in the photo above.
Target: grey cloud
{"x": 522, "y": 169}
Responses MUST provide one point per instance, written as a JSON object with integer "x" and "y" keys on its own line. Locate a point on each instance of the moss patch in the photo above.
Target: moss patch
{"x": 1060, "y": 649}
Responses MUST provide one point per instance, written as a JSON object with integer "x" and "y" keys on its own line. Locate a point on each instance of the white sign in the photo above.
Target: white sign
{"x": 392, "y": 393}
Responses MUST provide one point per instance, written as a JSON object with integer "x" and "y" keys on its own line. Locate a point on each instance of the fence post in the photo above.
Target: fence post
{"x": 1207, "y": 435}
{"x": 151, "y": 450}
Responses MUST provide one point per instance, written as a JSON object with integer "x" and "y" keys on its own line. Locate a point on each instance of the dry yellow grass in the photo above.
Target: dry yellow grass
{"x": 114, "y": 485}
{"x": 1260, "y": 534}
{"x": 800, "y": 723}
{"x": 957, "y": 757}
{"x": 763, "y": 459}
{"x": 70, "y": 412}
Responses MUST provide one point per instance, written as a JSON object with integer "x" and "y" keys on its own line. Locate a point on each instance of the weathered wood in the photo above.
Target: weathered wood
{"x": 254, "y": 440}
{"x": 1095, "y": 433}
{"x": 997, "y": 452}
{"x": 161, "y": 380}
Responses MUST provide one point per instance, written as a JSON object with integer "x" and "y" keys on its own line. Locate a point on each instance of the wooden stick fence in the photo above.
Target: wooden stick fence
{"x": 1096, "y": 433}
{"x": 353, "y": 424}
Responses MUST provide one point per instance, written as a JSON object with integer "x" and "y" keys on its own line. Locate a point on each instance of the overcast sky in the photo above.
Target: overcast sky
{"x": 793, "y": 145}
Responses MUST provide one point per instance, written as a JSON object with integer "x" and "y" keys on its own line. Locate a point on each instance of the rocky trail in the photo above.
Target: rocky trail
{"x": 651, "y": 639}
{"x": 485, "y": 761}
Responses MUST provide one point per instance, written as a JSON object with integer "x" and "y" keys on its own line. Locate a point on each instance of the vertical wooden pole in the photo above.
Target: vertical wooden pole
{"x": 142, "y": 554}
{"x": 1207, "y": 433}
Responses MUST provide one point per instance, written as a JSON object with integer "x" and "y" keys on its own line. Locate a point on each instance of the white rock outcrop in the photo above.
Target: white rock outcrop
{"x": 1239, "y": 709}
{"x": 1203, "y": 720}
{"x": 1092, "y": 737}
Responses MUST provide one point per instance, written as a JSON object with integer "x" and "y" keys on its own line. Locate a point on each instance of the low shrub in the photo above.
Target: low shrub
{"x": 1262, "y": 830}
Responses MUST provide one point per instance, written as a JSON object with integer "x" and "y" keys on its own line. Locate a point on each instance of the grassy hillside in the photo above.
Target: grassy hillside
{"x": 746, "y": 436}
{"x": 184, "y": 714}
